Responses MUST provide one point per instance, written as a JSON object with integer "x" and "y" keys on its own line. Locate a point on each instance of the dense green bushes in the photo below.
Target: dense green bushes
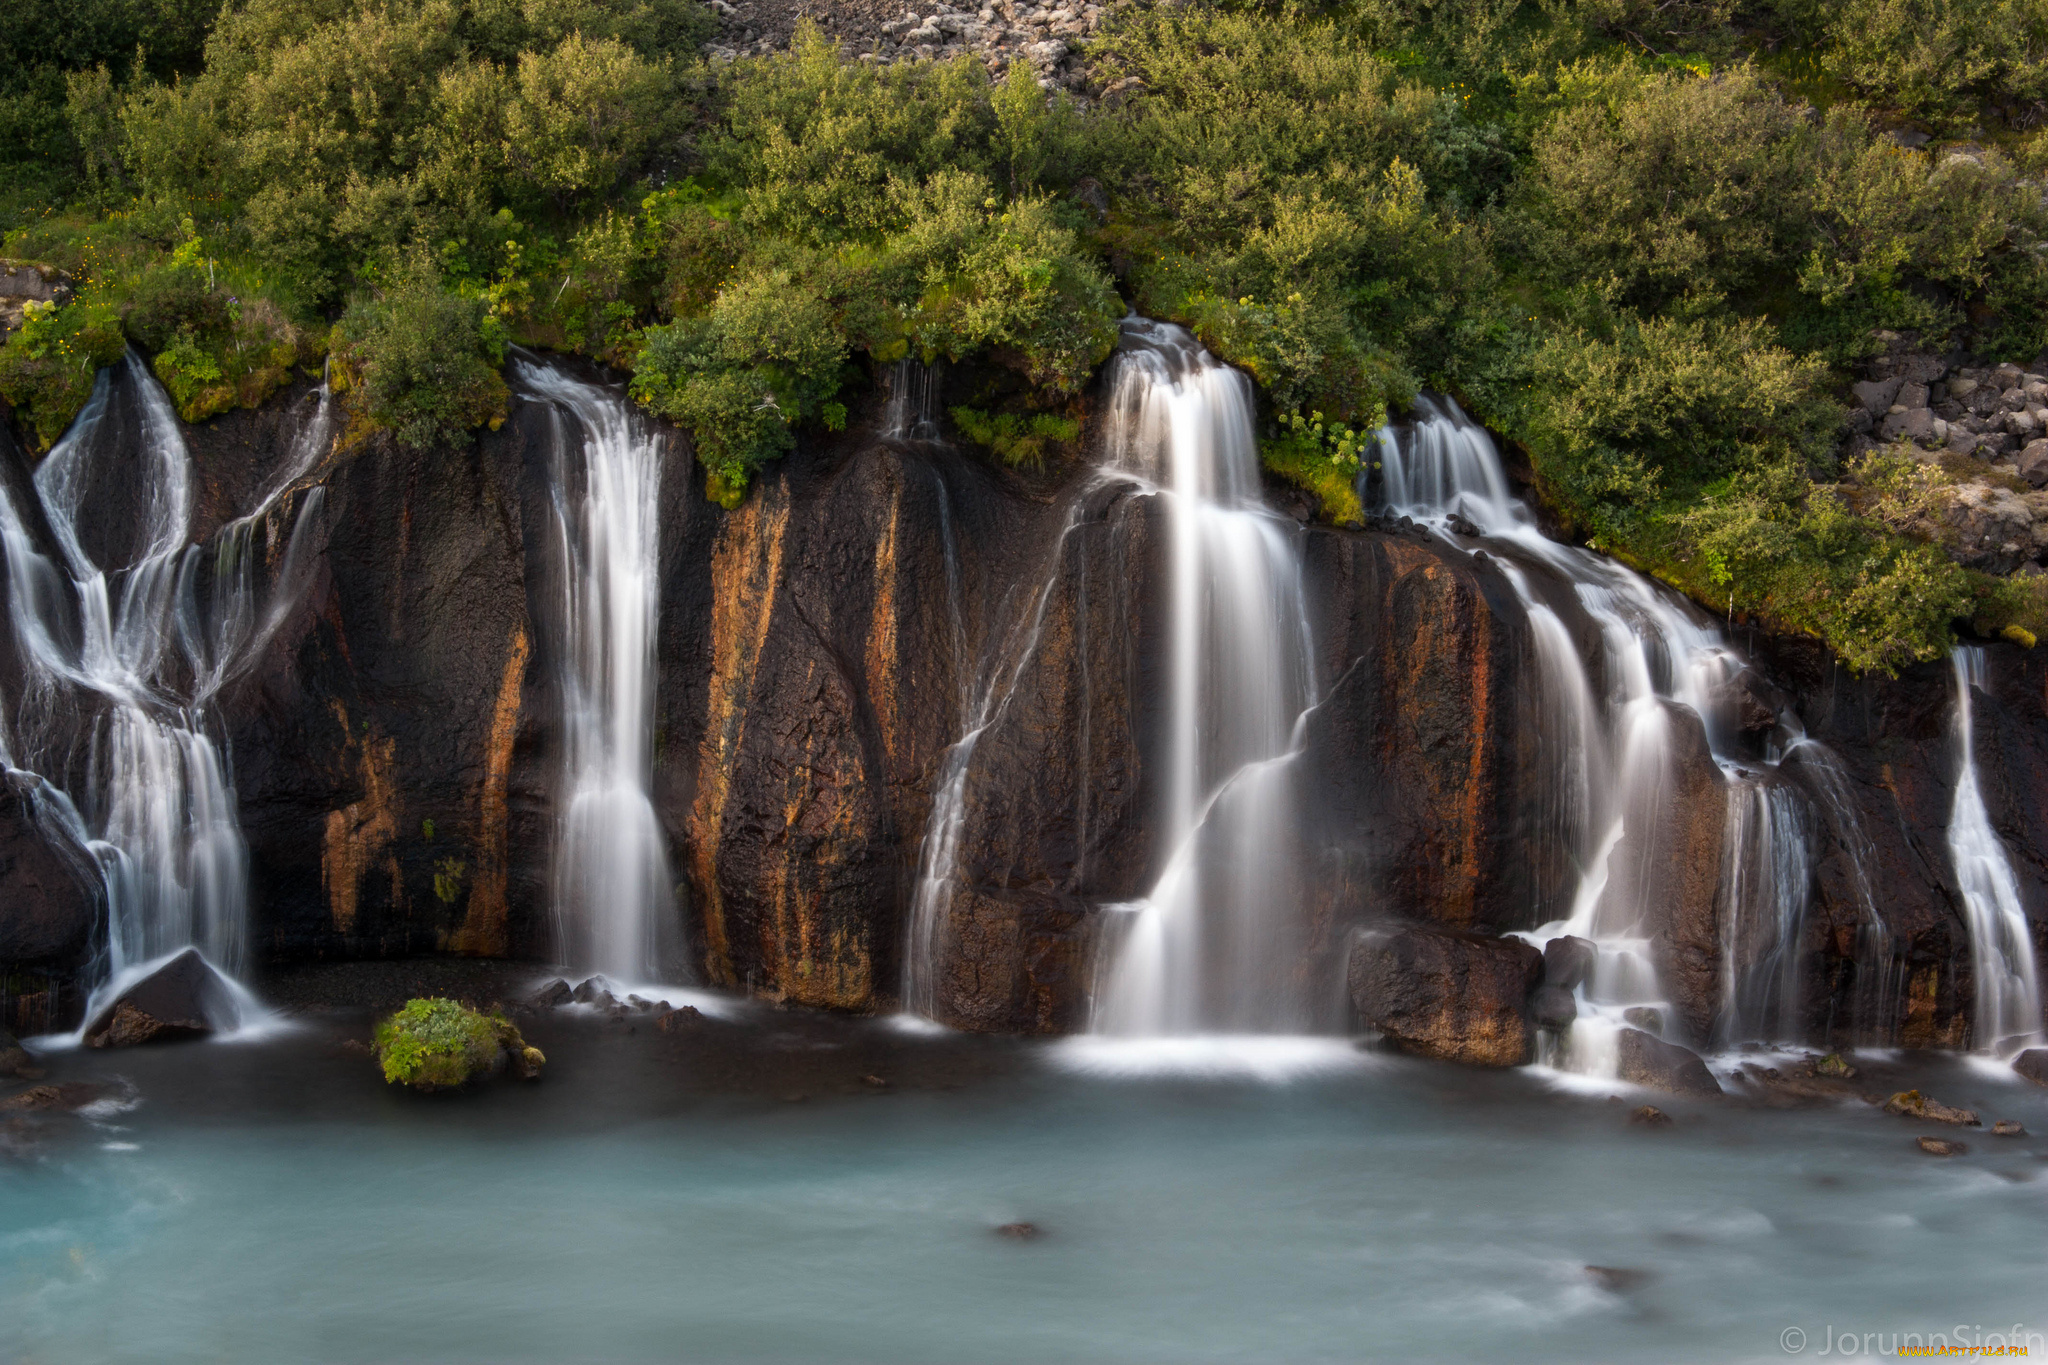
{"x": 1647, "y": 242}
{"x": 420, "y": 362}
{"x": 47, "y": 367}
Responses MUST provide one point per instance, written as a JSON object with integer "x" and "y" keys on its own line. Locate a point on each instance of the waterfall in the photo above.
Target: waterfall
{"x": 913, "y": 412}
{"x": 986, "y": 698}
{"x": 1608, "y": 747}
{"x": 614, "y": 901}
{"x": 2008, "y": 1010}
{"x": 1215, "y": 945}
{"x": 127, "y": 637}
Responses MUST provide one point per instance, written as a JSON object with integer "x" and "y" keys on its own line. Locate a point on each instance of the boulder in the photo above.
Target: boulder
{"x": 2033, "y": 463}
{"x": 184, "y": 998}
{"x": 680, "y": 1020}
{"x": 1568, "y": 961}
{"x": 1648, "y": 1018}
{"x": 14, "y": 1059}
{"x": 68, "y": 1097}
{"x": 1913, "y": 424}
{"x": 553, "y": 995}
{"x": 1553, "y": 1007}
{"x": 1876, "y": 395}
{"x": 1663, "y": 1066}
{"x": 439, "y": 1044}
{"x": 2033, "y": 1065}
{"x": 1913, "y": 1104}
{"x": 1456, "y": 997}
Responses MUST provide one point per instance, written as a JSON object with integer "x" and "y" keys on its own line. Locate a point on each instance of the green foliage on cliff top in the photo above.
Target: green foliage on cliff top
{"x": 1645, "y": 242}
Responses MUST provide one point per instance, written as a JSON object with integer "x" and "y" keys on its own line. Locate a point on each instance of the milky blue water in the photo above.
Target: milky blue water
{"x": 659, "y": 1202}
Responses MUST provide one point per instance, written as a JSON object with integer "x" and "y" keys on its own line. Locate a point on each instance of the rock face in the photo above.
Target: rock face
{"x": 1663, "y": 1066}
{"x": 51, "y": 907}
{"x": 823, "y": 651}
{"x": 1884, "y": 944}
{"x": 1454, "y": 997}
{"x": 184, "y": 998}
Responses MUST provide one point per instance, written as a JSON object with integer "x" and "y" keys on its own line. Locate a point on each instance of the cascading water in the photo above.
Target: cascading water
{"x": 614, "y": 901}
{"x": 986, "y": 697}
{"x": 127, "y": 637}
{"x": 913, "y": 411}
{"x": 1214, "y": 946}
{"x": 1610, "y": 752}
{"x": 2008, "y": 1009}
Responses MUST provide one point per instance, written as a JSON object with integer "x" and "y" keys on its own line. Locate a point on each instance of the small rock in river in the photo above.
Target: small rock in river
{"x": 1644, "y": 1017}
{"x": 554, "y": 995}
{"x": 1941, "y": 1147}
{"x": 1618, "y": 1279}
{"x": 1835, "y": 1065}
{"x": 1022, "y": 1232}
{"x": 1912, "y": 1104}
{"x": 1650, "y": 1116}
{"x": 2009, "y": 1128}
{"x": 676, "y": 1021}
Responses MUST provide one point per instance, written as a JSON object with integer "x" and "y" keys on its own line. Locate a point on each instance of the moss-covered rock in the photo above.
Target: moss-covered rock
{"x": 439, "y": 1044}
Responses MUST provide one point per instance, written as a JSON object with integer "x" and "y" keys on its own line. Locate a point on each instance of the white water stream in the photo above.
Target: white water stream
{"x": 1611, "y": 746}
{"x": 114, "y": 733}
{"x": 1215, "y": 945}
{"x": 614, "y": 900}
{"x": 2007, "y": 1017}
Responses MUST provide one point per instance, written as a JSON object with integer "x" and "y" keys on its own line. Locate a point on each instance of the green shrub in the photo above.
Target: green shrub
{"x": 47, "y": 366}
{"x": 1617, "y": 426}
{"x": 1017, "y": 439}
{"x": 1935, "y": 59}
{"x": 421, "y": 363}
{"x": 436, "y": 1044}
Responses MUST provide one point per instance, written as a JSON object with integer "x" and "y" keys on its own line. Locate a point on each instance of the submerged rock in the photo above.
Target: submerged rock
{"x": 1022, "y": 1232}
{"x": 2032, "y": 1065}
{"x": 1618, "y": 1279}
{"x": 1663, "y": 1066}
{"x": 1912, "y": 1104}
{"x": 2009, "y": 1128}
{"x": 65, "y": 1098}
{"x": 184, "y": 998}
{"x": 1455, "y": 997}
{"x": 1650, "y": 1116}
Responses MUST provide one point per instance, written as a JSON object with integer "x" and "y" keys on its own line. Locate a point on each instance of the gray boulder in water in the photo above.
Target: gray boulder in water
{"x": 2033, "y": 1064}
{"x": 184, "y": 998}
{"x": 1663, "y": 1066}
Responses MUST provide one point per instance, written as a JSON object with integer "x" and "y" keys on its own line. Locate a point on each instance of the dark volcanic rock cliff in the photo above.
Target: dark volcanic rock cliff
{"x": 823, "y": 649}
